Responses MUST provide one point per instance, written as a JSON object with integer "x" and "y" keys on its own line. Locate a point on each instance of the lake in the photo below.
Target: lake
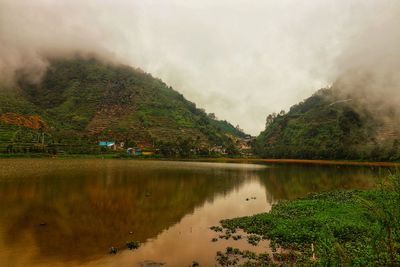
{"x": 70, "y": 212}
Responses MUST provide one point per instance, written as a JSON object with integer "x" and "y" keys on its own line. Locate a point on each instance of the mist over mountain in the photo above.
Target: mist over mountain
{"x": 328, "y": 126}
{"x": 239, "y": 61}
{"x": 80, "y": 102}
{"x": 370, "y": 65}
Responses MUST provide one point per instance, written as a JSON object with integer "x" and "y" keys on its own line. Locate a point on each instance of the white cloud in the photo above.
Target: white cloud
{"x": 240, "y": 59}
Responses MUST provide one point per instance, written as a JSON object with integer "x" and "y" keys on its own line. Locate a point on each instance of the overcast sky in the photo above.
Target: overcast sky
{"x": 240, "y": 59}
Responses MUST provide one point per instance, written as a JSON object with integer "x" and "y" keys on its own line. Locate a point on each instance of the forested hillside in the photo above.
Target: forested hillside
{"x": 82, "y": 101}
{"x": 328, "y": 126}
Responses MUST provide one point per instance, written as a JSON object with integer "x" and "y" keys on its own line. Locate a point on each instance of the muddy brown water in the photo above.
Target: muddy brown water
{"x": 62, "y": 212}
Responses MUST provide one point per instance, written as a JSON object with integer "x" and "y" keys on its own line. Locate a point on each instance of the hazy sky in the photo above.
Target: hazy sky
{"x": 241, "y": 59}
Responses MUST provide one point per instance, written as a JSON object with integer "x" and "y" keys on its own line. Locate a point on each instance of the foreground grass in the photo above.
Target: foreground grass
{"x": 358, "y": 228}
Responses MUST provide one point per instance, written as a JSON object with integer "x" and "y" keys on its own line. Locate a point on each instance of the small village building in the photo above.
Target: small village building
{"x": 218, "y": 149}
{"x": 108, "y": 144}
{"x": 134, "y": 151}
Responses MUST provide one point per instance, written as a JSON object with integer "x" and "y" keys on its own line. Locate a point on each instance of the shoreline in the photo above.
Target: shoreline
{"x": 220, "y": 159}
{"x": 339, "y": 227}
{"x": 315, "y": 161}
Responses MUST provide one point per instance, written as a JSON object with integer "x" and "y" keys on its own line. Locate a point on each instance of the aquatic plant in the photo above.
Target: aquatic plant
{"x": 216, "y": 228}
{"x": 234, "y": 256}
{"x": 113, "y": 250}
{"x": 236, "y": 237}
{"x": 253, "y": 239}
{"x": 133, "y": 244}
{"x": 350, "y": 227}
{"x": 385, "y": 209}
{"x": 194, "y": 264}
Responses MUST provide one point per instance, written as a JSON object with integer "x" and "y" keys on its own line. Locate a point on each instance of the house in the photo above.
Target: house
{"x": 218, "y": 149}
{"x": 108, "y": 144}
{"x": 134, "y": 151}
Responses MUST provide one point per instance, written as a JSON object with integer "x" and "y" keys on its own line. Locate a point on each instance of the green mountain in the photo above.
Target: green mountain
{"x": 82, "y": 101}
{"x": 330, "y": 125}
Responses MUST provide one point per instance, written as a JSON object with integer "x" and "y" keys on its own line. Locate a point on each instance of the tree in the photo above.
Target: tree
{"x": 270, "y": 119}
{"x": 232, "y": 149}
{"x": 212, "y": 116}
{"x": 394, "y": 151}
{"x": 238, "y": 128}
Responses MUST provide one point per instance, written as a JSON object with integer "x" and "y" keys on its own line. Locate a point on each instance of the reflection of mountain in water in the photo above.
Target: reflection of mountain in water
{"x": 289, "y": 181}
{"x": 90, "y": 206}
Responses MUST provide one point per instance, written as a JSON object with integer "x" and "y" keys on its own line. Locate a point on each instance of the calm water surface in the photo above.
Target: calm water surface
{"x": 70, "y": 212}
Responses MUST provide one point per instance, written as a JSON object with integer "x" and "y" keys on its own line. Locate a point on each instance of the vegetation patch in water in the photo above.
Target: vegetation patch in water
{"x": 133, "y": 244}
{"x": 343, "y": 227}
{"x": 234, "y": 256}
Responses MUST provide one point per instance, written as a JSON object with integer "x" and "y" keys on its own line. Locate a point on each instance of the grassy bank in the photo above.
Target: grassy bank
{"x": 303, "y": 161}
{"x": 219, "y": 159}
{"x": 105, "y": 156}
{"x": 360, "y": 228}
{"x": 47, "y": 155}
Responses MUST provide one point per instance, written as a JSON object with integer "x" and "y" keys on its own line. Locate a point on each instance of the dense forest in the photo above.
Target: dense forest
{"x": 80, "y": 102}
{"x": 328, "y": 126}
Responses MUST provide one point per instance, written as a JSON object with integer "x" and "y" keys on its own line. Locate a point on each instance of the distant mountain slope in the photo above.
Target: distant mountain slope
{"x": 328, "y": 126}
{"x": 84, "y": 101}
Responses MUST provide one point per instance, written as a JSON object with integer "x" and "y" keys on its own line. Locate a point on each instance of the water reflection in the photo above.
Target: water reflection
{"x": 290, "y": 181}
{"x": 74, "y": 210}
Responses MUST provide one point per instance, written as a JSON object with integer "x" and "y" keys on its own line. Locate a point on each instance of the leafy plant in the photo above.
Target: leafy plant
{"x": 353, "y": 227}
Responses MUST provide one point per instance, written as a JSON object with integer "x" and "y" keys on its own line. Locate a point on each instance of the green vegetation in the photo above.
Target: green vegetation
{"x": 325, "y": 126}
{"x": 81, "y": 102}
{"x": 246, "y": 258}
{"x": 132, "y": 245}
{"x": 228, "y": 128}
{"x": 360, "y": 228}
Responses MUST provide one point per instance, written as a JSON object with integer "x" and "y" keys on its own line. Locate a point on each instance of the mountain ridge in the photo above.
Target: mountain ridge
{"x": 84, "y": 101}
{"x": 330, "y": 125}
